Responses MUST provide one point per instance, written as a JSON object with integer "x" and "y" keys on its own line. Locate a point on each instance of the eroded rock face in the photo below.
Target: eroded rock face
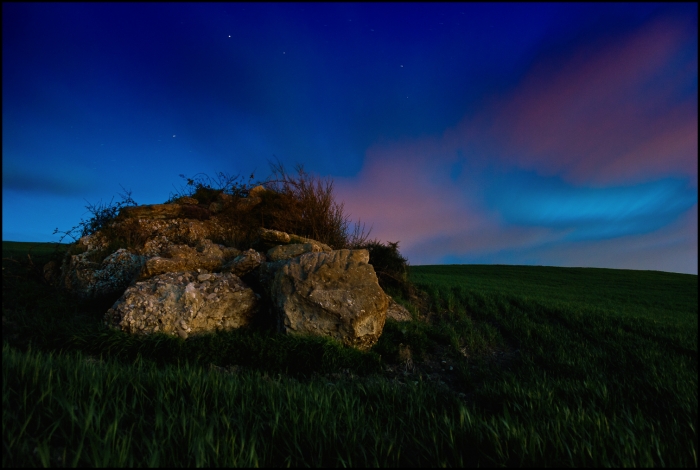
{"x": 274, "y": 236}
{"x": 89, "y": 279}
{"x": 184, "y": 304}
{"x": 179, "y": 258}
{"x": 332, "y": 294}
{"x": 244, "y": 263}
{"x": 282, "y": 238}
{"x": 179, "y": 231}
{"x": 282, "y": 252}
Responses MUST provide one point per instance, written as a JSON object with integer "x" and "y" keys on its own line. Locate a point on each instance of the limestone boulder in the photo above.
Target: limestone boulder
{"x": 159, "y": 245}
{"x": 244, "y": 263}
{"x": 178, "y": 258}
{"x": 87, "y": 279}
{"x": 208, "y": 248}
{"x": 159, "y": 233}
{"x": 184, "y": 304}
{"x": 96, "y": 241}
{"x": 332, "y": 294}
{"x": 274, "y": 236}
{"x": 301, "y": 240}
{"x": 283, "y": 252}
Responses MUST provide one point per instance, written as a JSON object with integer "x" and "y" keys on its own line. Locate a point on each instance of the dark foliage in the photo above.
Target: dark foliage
{"x": 391, "y": 267}
{"x": 206, "y": 189}
{"x": 301, "y": 203}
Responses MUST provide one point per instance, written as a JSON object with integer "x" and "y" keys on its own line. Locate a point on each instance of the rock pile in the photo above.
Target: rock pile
{"x": 176, "y": 280}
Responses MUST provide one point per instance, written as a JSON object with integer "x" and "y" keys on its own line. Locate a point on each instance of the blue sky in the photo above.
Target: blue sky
{"x": 551, "y": 134}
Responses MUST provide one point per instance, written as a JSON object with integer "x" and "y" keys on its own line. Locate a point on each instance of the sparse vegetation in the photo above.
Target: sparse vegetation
{"x": 299, "y": 203}
{"x": 102, "y": 216}
{"x": 390, "y": 266}
{"x": 306, "y": 206}
{"x": 206, "y": 189}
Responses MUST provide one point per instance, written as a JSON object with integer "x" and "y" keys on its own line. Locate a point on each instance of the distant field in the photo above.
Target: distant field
{"x": 653, "y": 295}
{"x": 514, "y": 366}
{"x": 21, "y": 249}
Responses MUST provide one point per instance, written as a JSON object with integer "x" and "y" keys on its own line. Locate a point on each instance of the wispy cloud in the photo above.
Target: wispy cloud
{"x": 610, "y": 112}
{"x": 590, "y": 159}
{"x": 68, "y": 180}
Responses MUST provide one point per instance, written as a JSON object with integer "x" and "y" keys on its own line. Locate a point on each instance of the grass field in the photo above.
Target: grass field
{"x": 502, "y": 365}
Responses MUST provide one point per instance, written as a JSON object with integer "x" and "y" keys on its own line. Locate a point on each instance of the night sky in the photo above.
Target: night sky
{"x": 538, "y": 134}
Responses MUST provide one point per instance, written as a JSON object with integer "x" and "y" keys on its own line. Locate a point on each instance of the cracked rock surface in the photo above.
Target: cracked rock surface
{"x": 332, "y": 294}
{"x": 184, "y": 304}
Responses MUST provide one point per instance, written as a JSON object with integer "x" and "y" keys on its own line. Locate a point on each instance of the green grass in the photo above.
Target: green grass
{"x": 550, "y": 367}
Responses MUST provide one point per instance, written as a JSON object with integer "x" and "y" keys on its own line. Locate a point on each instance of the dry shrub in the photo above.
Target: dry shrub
{"x": 102, "y": 221}
{"x": 304, "y": 204}
{"x": 300, "y": 203}
{"x": 206, "y": 189}
{"x": 391, "y": 267}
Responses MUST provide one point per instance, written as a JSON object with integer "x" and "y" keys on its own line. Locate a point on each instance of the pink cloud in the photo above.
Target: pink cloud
{"x": 405, "y": 195}
{"x": 612, "y": 113}
{"x": 608, "y": 113}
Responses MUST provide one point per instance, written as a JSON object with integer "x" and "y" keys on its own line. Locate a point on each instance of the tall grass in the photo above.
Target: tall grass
{"x": 550, "y": 367}
{"x": 608, "y": 364}
{"x": 69, "y": 411}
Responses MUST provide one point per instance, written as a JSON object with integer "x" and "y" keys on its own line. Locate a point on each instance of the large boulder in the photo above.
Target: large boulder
{"x": 184, "y": 304}
{"x": 90, "y": 279}
{"x": 332, "y": 294}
